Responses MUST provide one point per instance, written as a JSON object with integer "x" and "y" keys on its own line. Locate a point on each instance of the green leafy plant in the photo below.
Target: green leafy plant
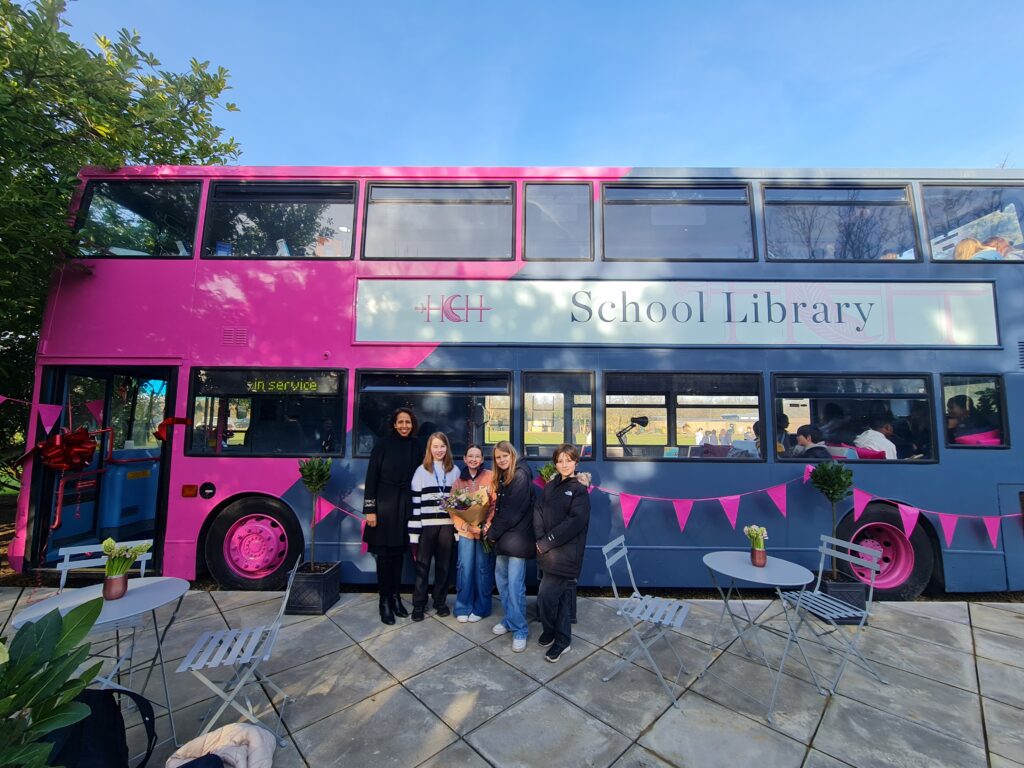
{"x": 548, "y": 471}
{"x": 835, "y": 482}
{"x": 757, "y": 535}
{"x": 316, "y": 473}
{"x": 38, "y": 683}
{"x": 120, "y": 557}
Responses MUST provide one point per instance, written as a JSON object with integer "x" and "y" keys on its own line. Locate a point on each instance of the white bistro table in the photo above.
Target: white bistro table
{"x": 776, "y": 574}
{"x": 144, "y": 595}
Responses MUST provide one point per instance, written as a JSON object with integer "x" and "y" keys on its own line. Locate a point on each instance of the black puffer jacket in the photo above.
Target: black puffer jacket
{"x": 512, "y": 526}
{"x": 560, "y": 522}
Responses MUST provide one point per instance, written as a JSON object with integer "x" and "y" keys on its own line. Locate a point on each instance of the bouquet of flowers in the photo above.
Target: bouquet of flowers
{"x": 757, "y": 535}
{"x": 471, "y": 506}
{"x": 120, "y": 556}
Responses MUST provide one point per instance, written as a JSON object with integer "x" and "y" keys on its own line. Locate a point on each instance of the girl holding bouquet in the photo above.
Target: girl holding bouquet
{"x": 511, "y": 531}
{"x": 474, "y": 576}
{"x": 430, "y": 528}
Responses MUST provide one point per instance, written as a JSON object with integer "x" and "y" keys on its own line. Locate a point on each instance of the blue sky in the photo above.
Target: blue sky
{"x": 694, "y": 84}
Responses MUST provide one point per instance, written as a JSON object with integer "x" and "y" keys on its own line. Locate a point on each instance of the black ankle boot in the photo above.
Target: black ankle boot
{"x": 386, "y": 614}
{"x": 395, "y": 601}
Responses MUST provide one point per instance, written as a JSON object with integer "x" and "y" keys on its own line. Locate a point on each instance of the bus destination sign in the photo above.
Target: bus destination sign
{"x": 677, "y": 313}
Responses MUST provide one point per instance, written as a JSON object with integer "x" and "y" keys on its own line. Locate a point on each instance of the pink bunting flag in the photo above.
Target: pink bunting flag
{"x": 731, "y": 507}
{"x": 364, "y": 548}
{"x": 808, "y": 469}
{"x": 2, "y": 399}
{"x": 323, "y": 509}
{"x": 48, "y": 415}
{"x": 778, "y": 496}
{"x": 860, "y": 500}
{"x": 682, "y": 508}
{"x": 992, "y": 526}
{"x": 539, "y": 481}
{"x": 948, "y": 523}
{"x": 96, "y": 409}
{"x": 629, "y": 504}
{"x": 909, "y": 515}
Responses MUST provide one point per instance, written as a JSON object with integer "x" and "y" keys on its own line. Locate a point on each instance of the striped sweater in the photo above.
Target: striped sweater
{"x": 427, "y": 495}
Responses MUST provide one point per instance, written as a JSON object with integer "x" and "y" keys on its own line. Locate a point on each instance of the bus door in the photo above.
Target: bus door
{"x": 118, "y": 494}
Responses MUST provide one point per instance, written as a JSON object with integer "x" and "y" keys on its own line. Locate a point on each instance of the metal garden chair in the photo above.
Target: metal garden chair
{"x": 829, "y": 611}
{"x": 242, "y": 651}
{"x": 649, "y": 618}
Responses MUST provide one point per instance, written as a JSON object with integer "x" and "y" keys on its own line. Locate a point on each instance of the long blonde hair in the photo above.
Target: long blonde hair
{"x": 428, "y": 457}
{"x": 503, "y": 476}
{"x": 966, "y": 249}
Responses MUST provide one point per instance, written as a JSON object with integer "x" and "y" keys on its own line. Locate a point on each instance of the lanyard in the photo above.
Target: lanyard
{"x": 440, "y": 480}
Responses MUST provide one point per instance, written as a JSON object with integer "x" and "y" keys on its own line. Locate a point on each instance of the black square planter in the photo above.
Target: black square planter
{"x": 853, "y": 593}
{"x": 313, "y": 593}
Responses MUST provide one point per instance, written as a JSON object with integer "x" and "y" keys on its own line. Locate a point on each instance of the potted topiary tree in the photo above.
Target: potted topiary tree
{"x": 315, "y": 588}
{"x": 835, "y": 482}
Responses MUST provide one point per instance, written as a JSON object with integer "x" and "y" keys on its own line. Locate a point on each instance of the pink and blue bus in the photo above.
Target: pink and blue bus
{"x": 680, "y": 326}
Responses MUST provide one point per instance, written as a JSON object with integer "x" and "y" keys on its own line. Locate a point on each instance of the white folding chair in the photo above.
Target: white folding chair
{"x": 242, "y": 651}
{"x": 842, "y": 640}
{"x": 128, "y": 627}
{"x": 659, "y": 613}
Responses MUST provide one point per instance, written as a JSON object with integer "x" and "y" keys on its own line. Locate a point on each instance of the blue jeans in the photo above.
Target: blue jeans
{"x": 510, "y": 573}
{"x": 474, "y": 581}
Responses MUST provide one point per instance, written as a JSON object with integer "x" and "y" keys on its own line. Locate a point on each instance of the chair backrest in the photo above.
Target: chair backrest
{"x": 67, "y": 564}
{"x": 274, "y": 628}
{"x": 614, "y": 551}
{"x": 860, "y": 556}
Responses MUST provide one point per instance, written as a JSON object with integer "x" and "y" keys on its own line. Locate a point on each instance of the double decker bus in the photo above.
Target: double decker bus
{"x": 679, "y": 325}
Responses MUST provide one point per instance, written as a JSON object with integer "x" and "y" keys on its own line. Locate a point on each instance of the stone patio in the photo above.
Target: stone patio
{"x": 442, "y": 693}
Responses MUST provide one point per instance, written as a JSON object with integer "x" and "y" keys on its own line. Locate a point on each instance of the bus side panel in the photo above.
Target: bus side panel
{"x": 1011, "y": 502}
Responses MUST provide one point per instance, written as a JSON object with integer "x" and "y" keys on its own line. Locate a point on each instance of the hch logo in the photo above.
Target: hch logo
{"x": 460, "y": 308}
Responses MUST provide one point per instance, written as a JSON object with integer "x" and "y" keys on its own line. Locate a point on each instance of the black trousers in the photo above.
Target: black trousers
{"x": 555, "y": 606}
{"x": 389, "y": 569}
{"x": 437, "y": 543}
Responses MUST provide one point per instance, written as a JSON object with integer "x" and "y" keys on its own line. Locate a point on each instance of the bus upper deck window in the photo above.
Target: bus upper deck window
{"x": 975, "y": 224}
{"x": 139, "y": 218}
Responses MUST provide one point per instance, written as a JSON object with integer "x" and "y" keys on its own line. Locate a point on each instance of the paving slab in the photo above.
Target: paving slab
{"x": 949, "y": 634}
{"x": 999, "y": 647}
{"x": 708, "y": 735}
{"x": 629, "y": 702}
{"x": 816, "y": 759}
{"x": 458, "y": 754}
{"x": 935, "y": 661}
{"x": 1003, "y": 724}
{"x": 996, "y": 761}
{"x": 944, "y": 708}
{"x": 361, "y": 620}
{"x": 391, "y": 728}
{"x": 180, "y": 638}
{"x": 228, "y": 600}
{"x": 996, "y": 620}
{"x": 415, "y": 648}
{"x": 544, "y": 724}
{"x": 1001, "y": 682}
{"x": 932, "y": 609}
{"x": 532, "y": 661}
{"x": 298, "y": 643}
{"x": 328, "y": 685}
{"x": 195, "y": 604}
{"x": 638, "y": 757}
{"x": 261, "y": 615}
{"x": 866, "y": 737}
{"x": 596, "y": 620}
{"x": 798, "y": 705}
{"x": 1013, "y": 607}
{"x": 8, "y": 599}
{"x": 470, "y": 689}
{"x": 477, "y": 631}
{"x": 704, "y": 618}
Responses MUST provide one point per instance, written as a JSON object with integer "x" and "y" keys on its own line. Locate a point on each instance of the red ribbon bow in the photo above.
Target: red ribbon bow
{"x": 68, "y": 450}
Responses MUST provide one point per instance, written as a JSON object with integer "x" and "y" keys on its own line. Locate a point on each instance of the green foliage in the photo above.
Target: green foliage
{"x": 38, "y": 683}
{"x": 64, "y": 107}
{"x": 835, "y": 482}
{"x": 548, "y": 471}
{"x": 121, "y": 557}
{"x": 316, "y": 473}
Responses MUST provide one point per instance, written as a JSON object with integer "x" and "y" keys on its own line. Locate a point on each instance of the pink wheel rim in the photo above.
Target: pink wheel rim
{"x": 255, "y": 547}
{"x": 897, "y": 561}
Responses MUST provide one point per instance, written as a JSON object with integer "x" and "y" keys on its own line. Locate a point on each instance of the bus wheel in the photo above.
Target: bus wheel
{"x": 252, "y": 544}
{"x": 906, "y": 562}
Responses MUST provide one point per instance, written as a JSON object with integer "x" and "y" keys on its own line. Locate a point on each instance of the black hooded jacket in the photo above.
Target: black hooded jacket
{"x": 512, "y": 526}
{"x": 560, "y": 521}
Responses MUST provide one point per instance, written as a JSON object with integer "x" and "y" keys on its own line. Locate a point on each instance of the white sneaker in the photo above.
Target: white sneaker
{"x": 472, "y": 618}
{"x": 518, "y": 644}
{"x": 464, "y": 619}
{"x": 499, "y": 629}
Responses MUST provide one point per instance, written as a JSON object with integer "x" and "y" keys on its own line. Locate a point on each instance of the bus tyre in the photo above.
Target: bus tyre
{"x": 906, "y": 563}
{"x": 252, "y": 544}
